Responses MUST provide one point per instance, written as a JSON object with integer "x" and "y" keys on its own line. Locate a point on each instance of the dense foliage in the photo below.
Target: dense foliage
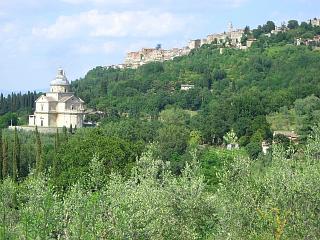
{"x": 15, "y": 107}
{"x": 274, "y": 198}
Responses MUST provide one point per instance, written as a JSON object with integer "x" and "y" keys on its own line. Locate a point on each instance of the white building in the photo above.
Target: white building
{"x": 315, "y": 22}
{"x": 193, "y": 44}
{"x": 59, "y": 107}
{"x": 186, "y": 87}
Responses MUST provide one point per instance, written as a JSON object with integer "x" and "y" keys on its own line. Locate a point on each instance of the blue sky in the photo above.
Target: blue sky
{"x": 38, "y": 36}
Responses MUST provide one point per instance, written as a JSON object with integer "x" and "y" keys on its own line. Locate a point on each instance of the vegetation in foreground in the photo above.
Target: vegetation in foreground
{"x": 271, "y": 198}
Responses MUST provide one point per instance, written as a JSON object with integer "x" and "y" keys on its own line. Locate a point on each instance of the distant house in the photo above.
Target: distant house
{"x": 186, "y": 87}
{"x": 315, "y": 22}
{"x": 315, "y": 41}
{"x": 193, "y": 44}
{"x": 250, "y": 42}
{"x": 232, "y": 146}
{"x": 265, "y": 147}
{"x": 291, "y": 135}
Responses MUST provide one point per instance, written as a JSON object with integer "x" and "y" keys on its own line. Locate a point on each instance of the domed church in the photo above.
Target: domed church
{"x": 59, "y": 107}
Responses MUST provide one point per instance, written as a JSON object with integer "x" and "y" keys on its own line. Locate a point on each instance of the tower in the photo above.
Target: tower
{"x": 60, "y": 84}
{"x": 230, "y": 27}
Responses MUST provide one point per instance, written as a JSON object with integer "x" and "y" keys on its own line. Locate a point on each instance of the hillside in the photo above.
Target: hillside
{"x": 234, "y": 90}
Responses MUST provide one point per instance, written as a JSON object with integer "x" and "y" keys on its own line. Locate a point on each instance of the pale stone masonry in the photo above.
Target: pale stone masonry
{"x": 315, "y": 22}
{"x": 147, "y": 55}
{"x": 232, "y": 38}
{"x": 59, "y": 107}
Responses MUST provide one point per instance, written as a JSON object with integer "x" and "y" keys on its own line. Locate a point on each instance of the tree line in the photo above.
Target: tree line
{"x": 17, "y": 101}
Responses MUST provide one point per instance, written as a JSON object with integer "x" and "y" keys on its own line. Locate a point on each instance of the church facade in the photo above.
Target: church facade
{"x": 59, "y": 107}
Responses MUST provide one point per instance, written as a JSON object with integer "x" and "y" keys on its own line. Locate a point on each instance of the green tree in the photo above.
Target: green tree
{"x": 5, "y": 158}
{"x": 16, "y": 157}
{"x": 172, "y": 140}
{"x": 268, "y": 27}
{"x": 174, "y": 116}
{"x": 276, "y": 201}
{"x": 293, "y": 24}
{"x": 254, "y": 148}
{"x": 56, "y": 150}
{"x": 230, "y": 138}
{"x": 39, "y": 157}
{"x": 1, "y": 155}
{"x": 247, "y": 30}
{"x": 117, "y": 155}
{"x": 281, "y": 139}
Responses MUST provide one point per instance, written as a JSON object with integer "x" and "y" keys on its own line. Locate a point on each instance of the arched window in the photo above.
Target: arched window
{"x": 72, "y": 107}
{"x": 41, "y": 107}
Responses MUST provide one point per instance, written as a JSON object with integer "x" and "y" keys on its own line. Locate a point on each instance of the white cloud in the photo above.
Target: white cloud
{"x": 8, "y": 28}
{"x": 106, "y": 47}
{"x": 115, "y": 24}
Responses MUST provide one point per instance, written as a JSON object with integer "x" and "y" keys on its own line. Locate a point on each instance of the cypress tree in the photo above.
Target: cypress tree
{"x": 16, "y": 156}
{"x": 4, "y": 159}
{"x": 1, "y": 158}
{"x": 39, "y": 158}
{"x": 56, "y": 141}
{"x": 70, "y": 129}
{"x": 65, "y": 133}
{"x": 56, "y": 148}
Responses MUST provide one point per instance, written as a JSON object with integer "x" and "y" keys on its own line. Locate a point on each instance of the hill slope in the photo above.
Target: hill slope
{"x": 235, "y": 90}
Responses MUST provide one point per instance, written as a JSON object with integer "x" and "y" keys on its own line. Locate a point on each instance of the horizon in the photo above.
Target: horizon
{"x": 37, "y": 37}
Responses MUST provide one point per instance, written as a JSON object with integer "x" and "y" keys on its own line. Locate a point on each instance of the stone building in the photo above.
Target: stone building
{"x": 59, "y": 107}
{"x": 194, "y": 44}
{"x": 281, "y": 29}
{"x": 232, "y": 38}
{"x": 250, "y": 42}
{"x": 186, "y": 87}
{"x": 315, "y": 22}
{"x": 147, "y": 55}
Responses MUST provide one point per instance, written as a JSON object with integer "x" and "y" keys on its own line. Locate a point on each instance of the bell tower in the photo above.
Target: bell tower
{"x": 230, "y": 27}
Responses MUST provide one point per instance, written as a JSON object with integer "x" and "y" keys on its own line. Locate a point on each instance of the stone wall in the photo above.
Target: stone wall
{"x": 40, "y": 129}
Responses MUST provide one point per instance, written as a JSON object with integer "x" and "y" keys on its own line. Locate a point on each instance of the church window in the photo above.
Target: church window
{"x": 41, "y": 107}
{"x": 72, "y": 107}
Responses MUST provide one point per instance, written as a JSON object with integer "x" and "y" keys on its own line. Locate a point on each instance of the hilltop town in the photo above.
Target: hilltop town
{"x": 232, "y": 38}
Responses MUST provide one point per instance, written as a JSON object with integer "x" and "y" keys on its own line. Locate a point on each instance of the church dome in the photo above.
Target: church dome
{"x": 60, "y": 80}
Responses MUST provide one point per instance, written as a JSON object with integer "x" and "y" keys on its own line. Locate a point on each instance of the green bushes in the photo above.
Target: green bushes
{"x": 279, "y": 201}
{"x": 151, "y": 204}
